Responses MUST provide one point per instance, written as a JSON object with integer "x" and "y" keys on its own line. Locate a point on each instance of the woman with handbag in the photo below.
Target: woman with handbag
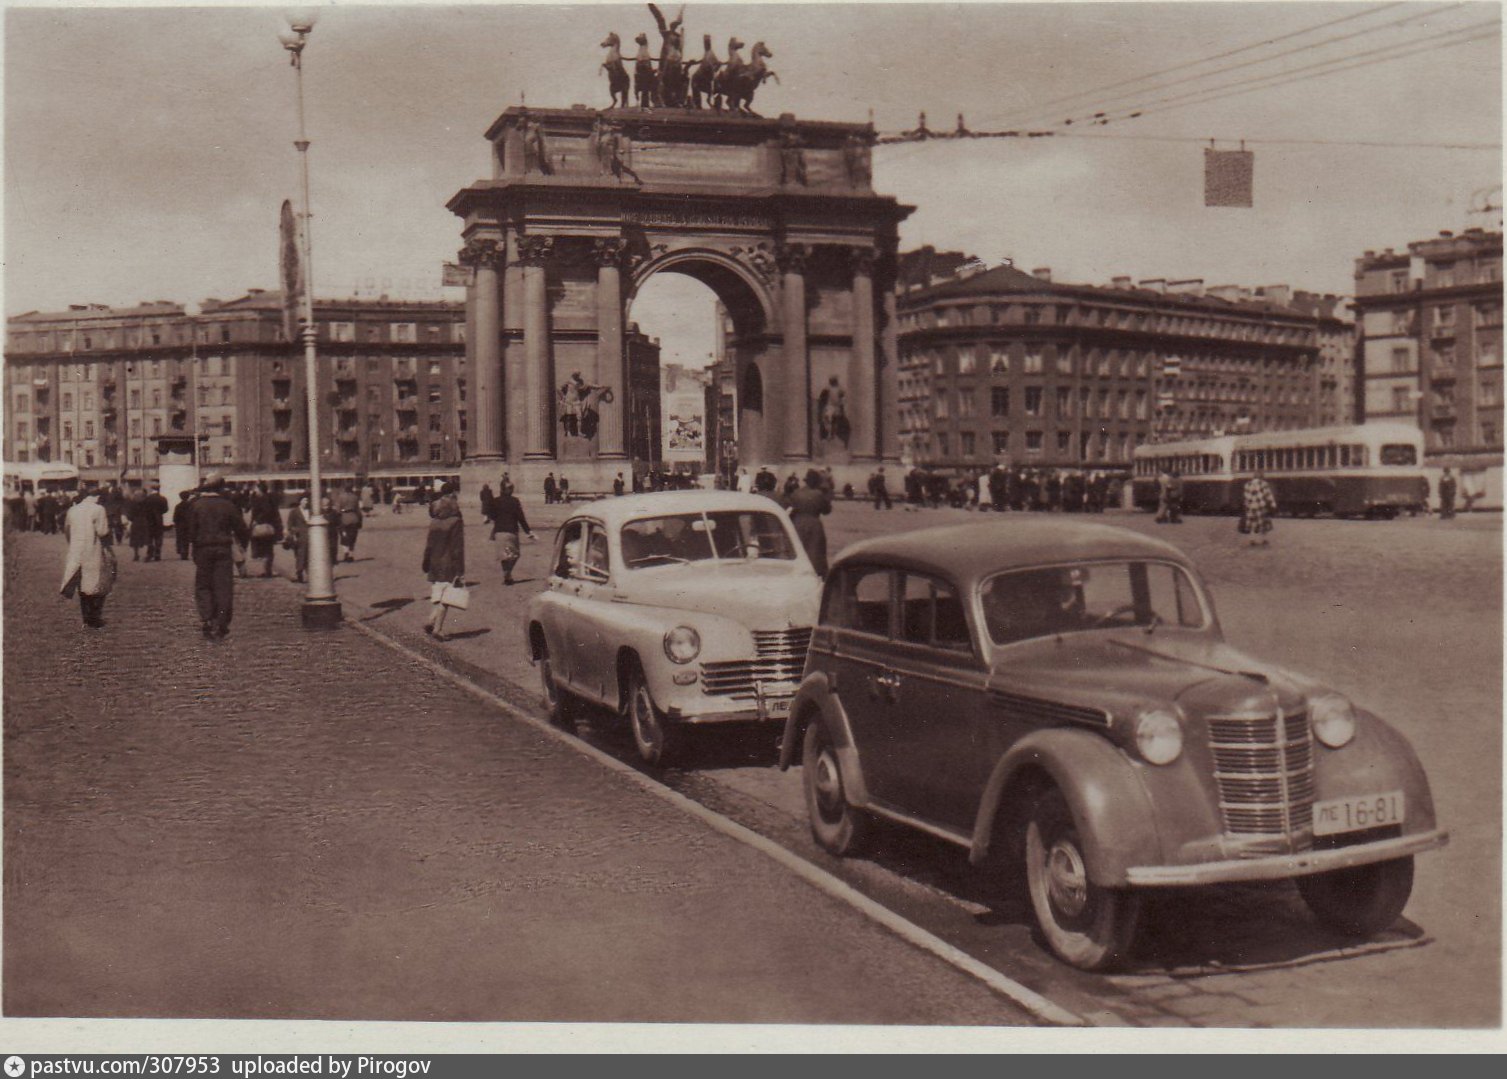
{"x": 445, "y": 561}
{"x": 89, "y": 566}
{"x": 266, "y": 527}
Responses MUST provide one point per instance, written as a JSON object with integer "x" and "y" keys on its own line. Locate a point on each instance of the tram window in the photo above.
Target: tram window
{"x": 1399, "y": 454}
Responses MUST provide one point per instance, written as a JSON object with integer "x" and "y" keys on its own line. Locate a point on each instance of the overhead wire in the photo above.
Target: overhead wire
{"x": 1114, "y": 104}
{"x": 1027, "y": 113}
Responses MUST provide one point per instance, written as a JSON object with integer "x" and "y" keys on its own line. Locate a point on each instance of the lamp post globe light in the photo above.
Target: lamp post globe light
{"x": 321, "y": 607}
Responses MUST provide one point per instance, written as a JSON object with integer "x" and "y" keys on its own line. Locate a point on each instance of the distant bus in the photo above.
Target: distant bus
{"x": 1370, "y": 470}
{"x": 39, "y": 476}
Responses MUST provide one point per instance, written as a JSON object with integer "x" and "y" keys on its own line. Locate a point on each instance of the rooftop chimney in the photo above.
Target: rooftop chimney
{"x": 1042, "y": 273}
{"x": 1281, "y": 295}
{"x": 1155, "y": 284}
{"x": 1446, "y": 233}
{"x": 1230, "y": 293}
{"x": 1193, "y": 286}
{"x": 1120, "y": 282}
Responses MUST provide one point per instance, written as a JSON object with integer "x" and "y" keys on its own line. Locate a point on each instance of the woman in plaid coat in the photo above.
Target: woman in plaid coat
{"x": 1260, "y": 504}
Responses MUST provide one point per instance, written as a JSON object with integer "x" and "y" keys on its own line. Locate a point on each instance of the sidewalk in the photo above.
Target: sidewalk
{"x": 294, "y": 825}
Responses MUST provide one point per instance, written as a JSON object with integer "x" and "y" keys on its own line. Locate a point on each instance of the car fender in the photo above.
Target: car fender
{"x": 1377, "y": 759}
{"x": 1106, "y": 796}
{"x": 816, "y": 703}
{"x": 627, "y": 627}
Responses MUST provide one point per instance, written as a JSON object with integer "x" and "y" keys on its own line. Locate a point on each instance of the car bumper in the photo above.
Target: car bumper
{"x": 1282, "y": 866}
{"x": 769, "y": 711}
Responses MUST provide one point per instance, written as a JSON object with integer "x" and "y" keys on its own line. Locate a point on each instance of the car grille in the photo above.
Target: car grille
{"x": 779, "y": 656}
{"x": 1264, "y": 768}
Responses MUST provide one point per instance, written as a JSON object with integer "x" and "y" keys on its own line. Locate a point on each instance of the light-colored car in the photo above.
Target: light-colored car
{"x": 1058, "y": 699}
{"x": 675, "y": 610}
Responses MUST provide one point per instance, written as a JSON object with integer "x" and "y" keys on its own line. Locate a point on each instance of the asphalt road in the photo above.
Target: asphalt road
{"x": 1404, "y": 616}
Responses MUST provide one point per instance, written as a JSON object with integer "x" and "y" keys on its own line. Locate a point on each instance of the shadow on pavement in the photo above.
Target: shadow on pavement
{"x": 387, "y": 607}
{"x": 466, "y": 634}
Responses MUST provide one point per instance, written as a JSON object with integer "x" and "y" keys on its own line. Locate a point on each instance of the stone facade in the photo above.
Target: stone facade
{"x": 776, "y": 216}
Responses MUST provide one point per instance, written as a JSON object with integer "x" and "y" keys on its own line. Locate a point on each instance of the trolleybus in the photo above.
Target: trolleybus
{"x": 1371, "y": 470}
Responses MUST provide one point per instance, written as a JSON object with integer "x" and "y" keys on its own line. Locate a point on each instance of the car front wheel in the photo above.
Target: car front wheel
{"x": 558, "y": 700}
{"x": 836, "y": 826}
{"x": 1088, "y": 926}
{"x": 658, "y": 741}
{"x": 1360, "y": 901}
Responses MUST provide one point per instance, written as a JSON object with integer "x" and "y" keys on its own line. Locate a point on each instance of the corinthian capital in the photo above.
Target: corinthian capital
{"x": 535, "y": 250}
{"x": 862, "y": 260}
{"x": 608, "y": 252}
{"x": 480, "y": 251}
{"x": 792, "y": 257}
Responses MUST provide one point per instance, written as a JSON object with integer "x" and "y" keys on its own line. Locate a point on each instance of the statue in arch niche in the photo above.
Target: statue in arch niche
{"x": 832, "y": 413}
{"x": 580, "y": 403}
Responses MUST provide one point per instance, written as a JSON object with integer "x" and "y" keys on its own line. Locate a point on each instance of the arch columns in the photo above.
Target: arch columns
{"x": 612, "y": 366}
{"x": 486, "y": 256}
{"x": 861, "y": 372}
{"x": 792, "y": 390}
{"x": 534, "y": 253}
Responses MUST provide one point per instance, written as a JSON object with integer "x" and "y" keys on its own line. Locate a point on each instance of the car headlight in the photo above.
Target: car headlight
{"x": 1332, "y": 719}
{"x": 1159, "y": 735}
{"x": 682, "y": 644}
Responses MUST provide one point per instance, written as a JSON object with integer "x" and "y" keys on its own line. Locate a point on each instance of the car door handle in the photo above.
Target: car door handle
{"x": 887, "y": 685}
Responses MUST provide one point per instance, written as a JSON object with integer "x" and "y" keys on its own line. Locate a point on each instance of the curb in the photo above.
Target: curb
{"x": 1043, "y": 1010}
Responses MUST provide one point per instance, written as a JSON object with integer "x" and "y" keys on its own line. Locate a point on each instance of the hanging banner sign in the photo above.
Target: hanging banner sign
{"x": 455, "y": 275}
{"x": 1229, "y": 178}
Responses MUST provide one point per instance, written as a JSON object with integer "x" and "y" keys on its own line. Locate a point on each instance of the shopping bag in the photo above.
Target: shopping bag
{"x": 457, "y": 596}
{"x": 108, "y": 569}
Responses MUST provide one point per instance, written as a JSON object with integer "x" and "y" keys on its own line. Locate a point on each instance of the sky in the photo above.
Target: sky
{"x": 147, "y": 150}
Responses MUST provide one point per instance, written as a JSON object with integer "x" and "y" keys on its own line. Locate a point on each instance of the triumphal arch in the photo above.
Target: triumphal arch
{"x": 777, "y": 216}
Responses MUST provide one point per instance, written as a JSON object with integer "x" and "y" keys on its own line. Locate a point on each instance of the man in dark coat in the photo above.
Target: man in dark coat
{"x": 507, "y": 521}
{"x": 155, "y": 507}
{"x": 115, "y": 509}
{"x": 214, "y": 525}
{"x": 486, "y": 502}
{"x": 1447, "y": 488}
{"x": 807, "y": 505}
{"x": 180, "y": 524}
{"x": 999, "y": 485}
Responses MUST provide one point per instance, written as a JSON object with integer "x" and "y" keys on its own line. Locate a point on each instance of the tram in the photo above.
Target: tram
{"x": 39, "y": 476}
{"x": 404, "y": 486}
{"x": 1371, "y": 470}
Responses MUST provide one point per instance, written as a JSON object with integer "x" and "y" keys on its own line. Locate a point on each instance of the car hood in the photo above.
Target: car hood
{"x": 759, "y": 594}
{"x": 1122, "y": 671}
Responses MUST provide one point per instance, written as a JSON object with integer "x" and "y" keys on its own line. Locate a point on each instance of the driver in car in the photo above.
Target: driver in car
{"x": 1040, "y": 603}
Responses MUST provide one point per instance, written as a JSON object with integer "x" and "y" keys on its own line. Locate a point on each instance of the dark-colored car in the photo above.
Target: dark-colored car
{"x": 1061, "y": 695}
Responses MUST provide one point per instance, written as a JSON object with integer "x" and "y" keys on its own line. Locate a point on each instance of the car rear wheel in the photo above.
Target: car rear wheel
{"x": 1088, "y": 926}
{"x": 1360, "y": 901}
{"x": 658, "y": 741}
{"x": 836, "y": 826}
{"x": 560, "y": 702}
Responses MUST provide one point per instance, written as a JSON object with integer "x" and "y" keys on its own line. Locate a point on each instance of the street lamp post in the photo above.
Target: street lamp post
{"x": 321, "y": 607}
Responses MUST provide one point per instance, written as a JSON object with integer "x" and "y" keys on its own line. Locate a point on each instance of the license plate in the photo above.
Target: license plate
{"x": 1356, "y": 814}
{"x": 777, "y": 709}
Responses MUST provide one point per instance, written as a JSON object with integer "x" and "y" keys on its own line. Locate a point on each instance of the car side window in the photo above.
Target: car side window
{"x": 931, "y": 614}
{"x": 595, "y": 565}
{"x": 858, "y": 598}
{"x": 570, "y": 550}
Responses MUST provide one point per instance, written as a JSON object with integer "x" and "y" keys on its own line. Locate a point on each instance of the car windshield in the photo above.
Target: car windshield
{"x": 699, "y": 537}
{"x": 1034, "y": 603}
{"x": 1399, "y": 454}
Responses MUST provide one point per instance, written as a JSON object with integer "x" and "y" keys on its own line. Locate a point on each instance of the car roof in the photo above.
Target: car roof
{"x": 615, "y": 511}
{"x": 968, "y": 552}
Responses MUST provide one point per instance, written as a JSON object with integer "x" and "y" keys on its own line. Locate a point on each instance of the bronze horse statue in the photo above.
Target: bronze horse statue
{"x": 617, "y": 74}
{"x": 737, "y": 82}
{"x": 704, "y": 78}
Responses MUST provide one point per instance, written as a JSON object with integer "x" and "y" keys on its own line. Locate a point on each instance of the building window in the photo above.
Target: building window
{"x": 968, "y": 442}
{"x": 940, "y": 412}
{"x": 405, "y": 333}
{"x": 22, "y": 430}
{"x": 434, "y": 423}
{"x": 965, "y": 361}
{"x": 936, "y": 359}
{"x": 1489, "y": 432}
{"x": 1140, "y": 404}
{"x": 23, "y": 402}
{"x": 999, "y": 361}
{"x": 1033, "y": 361}
{"x": 458, "y": 332}
{"x": 1064, "y": 363}
{"x": 966, "y": 404}
{"x": 342, "y": 331}
{"x": 67, "y": 402}
{"x": 1399, "y": 281}
{"x": 1401, "y": 398}
{"x": 203, "y": 395}
{"x": 1488, "y": 353}
{"x": 1064, "y": 401}
{"x": 228, "y": 425}
{"x": 999, "y": 400}
{"x": 225, "y": 453}
{"x": 942, "y": 443}
{"x": 156, "y": 398}
{"x": 67, "y": 430}
{"x": 1033, "y": 315}
{"x": 1444, "y": 319}
{"x": 1033, "y": 442}
{"x": 135, "y": 426}
{"x": 136, "y": 457}
{"x": 1063, "y": 439}
{"x": 156, "y": 425}
{"x": 224, "y": 395}
{"x": 1124, "y": 408}
{"x": 436, "y": 395}
{"x": 88, "y": 428}
{"x": 135, "y": 398}
{"x": 1001, "y": 442}
{"x": 1489, "y": 392}
{"x": 1103, "y": 404}
{"x": 1033, "y": 400}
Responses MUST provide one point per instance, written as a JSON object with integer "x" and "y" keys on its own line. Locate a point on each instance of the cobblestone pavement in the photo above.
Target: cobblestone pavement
{"x": 287, "y": 825}
{"x": 1405, "y": 616}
